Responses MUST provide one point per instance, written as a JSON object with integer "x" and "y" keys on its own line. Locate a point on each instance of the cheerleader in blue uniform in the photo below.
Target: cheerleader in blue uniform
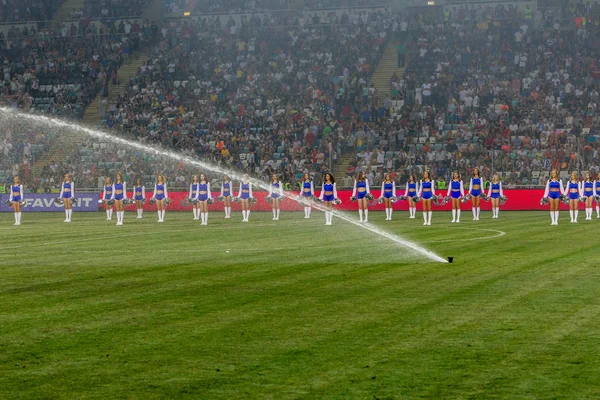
{"x": 160, "y": 195}
{"x": 139, "y": 195}
{"x": 194, "y": 195}
{"x": 494, "y": 193}
{"x": 119, "y": 194}
{"x": 475, "y": 190}
{"x": 106, "y": 196}
{"x": 388, "y": 190}
{"x": 244, "y": 195}
{"x": 16, "y": 196}
{"x": 456, "y": 191}
{"x": 412, "y": 190}
{"x": 276, "y": 193}
{"x": 597, "y": 193}
{"x": 328, "y": 194}
{"x": 587, "y": 187}
{"x": 226, "y": 191}
{"x": 426, "y": 193}
{"x": 203, "y": 196}
{"x": 554, "y": 188}
{"x": 306, "y": 193}
{"x": 573, "y": 192}
{"x": 360, "y": 192}
{"x": 67, "y": 193}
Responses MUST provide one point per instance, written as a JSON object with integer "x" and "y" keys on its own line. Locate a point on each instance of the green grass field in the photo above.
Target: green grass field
{"x": 296, "y": 310}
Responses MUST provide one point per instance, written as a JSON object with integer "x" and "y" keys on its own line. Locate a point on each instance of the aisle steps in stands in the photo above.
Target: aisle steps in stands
{"x": 70, "y": 141}
{"x": 340, "y": 169}
{"x": 385, "y": 70}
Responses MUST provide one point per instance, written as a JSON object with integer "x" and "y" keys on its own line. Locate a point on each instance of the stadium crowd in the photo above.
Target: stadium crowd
{"x": 483, "y": 87}
{"x": 27, "y": 10}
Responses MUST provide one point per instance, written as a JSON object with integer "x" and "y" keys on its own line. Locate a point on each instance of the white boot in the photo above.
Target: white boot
{"x": 360, "y": 214}
{"x": 429, "y": 219}
{"x": 366, "y": 215}
{"x": 571, "y": 213}
{"x": 425, "y": 218}
{"x": 453, "y": 216}
{"x": 458, "y": 216}
{"x": 159, "y": 215}
{"x": 391, "y": 212}
{"x": 474, "y": 211}
{"x": 17, "y": 223}
{"x": 277, "y": 214}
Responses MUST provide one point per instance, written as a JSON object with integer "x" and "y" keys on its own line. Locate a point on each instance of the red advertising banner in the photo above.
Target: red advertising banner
{"x": 518, "y": 200}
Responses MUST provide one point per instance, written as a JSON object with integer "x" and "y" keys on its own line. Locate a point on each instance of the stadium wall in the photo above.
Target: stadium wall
{"x": 518, "y": 200}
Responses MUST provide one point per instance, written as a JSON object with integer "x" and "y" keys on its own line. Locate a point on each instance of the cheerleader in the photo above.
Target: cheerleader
{"x": 306, "y": 193}
{"x": 203, "y": 196}
{"x": 597, "y": 193}
{"x": 160, "y": 195}
{"x": 244, "y": 195}
{"x": 412, "y": 191}
{"x": 554, "y": 188}
{"x": 388, "y": 190}
{"x": 67, "y": 193}
{"x": 328, "y": 194}
{"x": 587, "y": 188}
{"x": 456, "y": 191}
{"x": 360, "y": 192}
{"x": 573, "y": 192}
{"x": 276, "y": 193}
{"x": 118, "y": 195}
{"x": 194, "y": 195}
{"x": 494, "y": 193}
{"x": 106, "y": 196}
{"x": 475, "y": 190}
{"x": 426, "y": 193}
{"x": 226, "y": 194}
{"x": 139, "y": 195}
{"x": 16, "y": 196}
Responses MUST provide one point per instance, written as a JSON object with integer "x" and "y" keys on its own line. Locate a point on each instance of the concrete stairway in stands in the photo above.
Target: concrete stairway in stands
{"x": 340, "y": 169}
{"x": 69, "y": 141}
{"x": 385, "y": 70}
{"x": 128, "y": 70}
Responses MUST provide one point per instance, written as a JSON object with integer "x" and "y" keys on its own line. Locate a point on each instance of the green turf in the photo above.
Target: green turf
{"x": 297, "y": 310}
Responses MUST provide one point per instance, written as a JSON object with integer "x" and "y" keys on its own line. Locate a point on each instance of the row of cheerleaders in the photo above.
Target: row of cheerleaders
{"x": 115, "y": 197}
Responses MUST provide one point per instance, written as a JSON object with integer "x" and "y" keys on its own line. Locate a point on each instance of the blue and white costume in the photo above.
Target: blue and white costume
{"x": 388, "y": 190}
{"x": 16, "y": 196}
{"x": 119, "y": 191}
{"x": 307, "y": 192}
{"x": 204, "y": 192}
{"x": 139, "y": 194}
{"x": 456, "y": 190}
{"x": 276, "y": 192}
{"x": 495, "y": 192}
{"x": 120, "y": 194}
{"x": 361, "y": 189}
{"x": 554, "y": 189}
{"x": 328, "y": 194}
{"x": 426, "y": 189}
{"x": 108, "y": 195}
{"x": 412, "y": 190}
{"x": 573, "y": 190}
{"x": 587, "y": 188}
{"x": 244, "y": 194}
{"x": 67, "y": 191}
{"x": 194, "y": 195}
{"x": 160, "y": 191}
{"x": 426, "y": 192}
{"x": 226, "y": 193}
{"x": 476, "y": 187}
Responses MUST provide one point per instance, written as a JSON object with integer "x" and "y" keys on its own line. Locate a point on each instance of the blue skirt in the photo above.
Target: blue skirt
{"x": 275, "y": 195}
{"x": 426, "y": 195}
{"x": 573, "y": 196}
{"x": 16, "y": 199}
{"x": 138, "y": 198}
{"x": 554, "y": 195}
{"x": 227, "y": 194}
{"x": 361, "y": 195}
{"x": 388, "y": 195}
{"x": 160, "y": 196}
{"x": 328, "y": 197}
{"x": 203, "y": 197}
{"x": 588, "y": 194}
{"x": 475, "y": 193}
{"x": 495, "y": 195}
{"x": 119, "y": 197}
{"x": 66, "y": 195}
{"x": 245, "y": 196}
{"x": 455, "y": 195}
